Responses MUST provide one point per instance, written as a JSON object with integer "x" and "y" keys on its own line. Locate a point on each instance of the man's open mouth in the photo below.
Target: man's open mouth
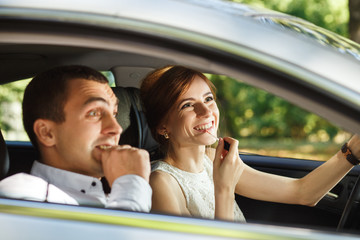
{"x": 104, "y": 147}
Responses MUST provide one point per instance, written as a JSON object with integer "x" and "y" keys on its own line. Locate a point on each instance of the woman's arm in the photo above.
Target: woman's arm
{"x": 307, "y": 190}
{"x": 227, "y": 168}
{"x": 167, "y": 195}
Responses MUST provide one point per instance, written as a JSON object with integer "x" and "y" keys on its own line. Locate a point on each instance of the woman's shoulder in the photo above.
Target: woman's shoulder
{"x": 160, "y": 175}
{"x": 167, "y": 194}
{"x": 162, "y": 179}
{"x": 165, "y": 185}
{"x": 159, "y": 165}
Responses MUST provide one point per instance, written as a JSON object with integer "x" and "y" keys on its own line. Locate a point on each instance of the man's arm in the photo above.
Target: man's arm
{"x": 130, "y": 192}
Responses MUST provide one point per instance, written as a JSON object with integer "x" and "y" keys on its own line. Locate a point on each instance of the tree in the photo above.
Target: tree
{"x": 248, "y": 112}
{"x": 329, "y": 14}
{"x": 11, "y": 95}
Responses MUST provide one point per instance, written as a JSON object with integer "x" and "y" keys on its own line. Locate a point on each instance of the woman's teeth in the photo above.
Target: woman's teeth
{"x": 204, "y": 127}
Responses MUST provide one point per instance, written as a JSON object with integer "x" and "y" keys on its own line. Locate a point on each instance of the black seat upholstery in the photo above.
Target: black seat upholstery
{"x": 4, "y": 158}
{"x": 132, "y": 119}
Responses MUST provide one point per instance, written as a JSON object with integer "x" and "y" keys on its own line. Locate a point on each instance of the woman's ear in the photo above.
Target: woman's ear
{"x": 44, "y": 131}
{"x": 162, "y": 130}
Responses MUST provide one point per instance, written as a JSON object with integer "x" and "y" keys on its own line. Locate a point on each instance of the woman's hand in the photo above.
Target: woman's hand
{"x": 354, "y": 145}
{"x": 227, "y": 170}
{"x": 227, "y": 166}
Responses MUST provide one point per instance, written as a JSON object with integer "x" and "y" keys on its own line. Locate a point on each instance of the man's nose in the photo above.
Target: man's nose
{"x": 111, "y": 126}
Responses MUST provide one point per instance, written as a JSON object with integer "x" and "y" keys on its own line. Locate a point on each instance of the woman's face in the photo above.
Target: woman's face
{"x": 194, "y": 113}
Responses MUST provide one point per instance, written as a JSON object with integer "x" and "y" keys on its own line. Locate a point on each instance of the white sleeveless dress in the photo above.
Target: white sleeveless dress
{"x": 198, "y": 189}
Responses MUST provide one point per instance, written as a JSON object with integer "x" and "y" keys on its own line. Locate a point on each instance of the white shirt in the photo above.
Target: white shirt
{"x": 46, "y": 183}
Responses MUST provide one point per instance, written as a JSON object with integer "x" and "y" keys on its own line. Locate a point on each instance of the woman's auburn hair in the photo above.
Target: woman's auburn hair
{"x": 161, "y": 89}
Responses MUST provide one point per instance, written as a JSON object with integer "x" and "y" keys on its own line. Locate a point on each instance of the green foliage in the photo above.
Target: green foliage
{"x": 10, "y": 93}
{"x": 13, "y": 91}
{"x": 247, "y": 112}
{"x": 329, "y": 14}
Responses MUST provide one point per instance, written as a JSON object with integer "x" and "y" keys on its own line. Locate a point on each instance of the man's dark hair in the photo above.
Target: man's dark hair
{"x": 47, "y": 93}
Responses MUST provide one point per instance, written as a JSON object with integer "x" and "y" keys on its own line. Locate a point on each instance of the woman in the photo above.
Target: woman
{"x": 182, "y": 113}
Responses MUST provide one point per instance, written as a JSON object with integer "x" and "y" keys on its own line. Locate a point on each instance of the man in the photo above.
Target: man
{"x": 69, "y": 114}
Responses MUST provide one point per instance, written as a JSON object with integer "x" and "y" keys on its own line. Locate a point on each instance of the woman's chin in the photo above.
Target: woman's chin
{"x": 213, "y": 142}
{"x": 209, "y": 142}
{"x": 205, "y": 139}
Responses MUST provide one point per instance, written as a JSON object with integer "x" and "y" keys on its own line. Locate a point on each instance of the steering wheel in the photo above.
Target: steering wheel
{"x": 350, "y": 218}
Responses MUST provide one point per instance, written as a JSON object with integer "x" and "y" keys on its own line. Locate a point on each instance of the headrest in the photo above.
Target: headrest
{"x": 131, "y": 118}
{"x": 4, "y": 158}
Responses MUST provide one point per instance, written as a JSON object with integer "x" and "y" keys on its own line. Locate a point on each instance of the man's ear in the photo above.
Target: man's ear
{"x": 44, "y": 131}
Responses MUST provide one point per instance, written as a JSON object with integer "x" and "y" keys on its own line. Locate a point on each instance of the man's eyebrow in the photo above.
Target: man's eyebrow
{"x": 188, "y": 99}
{"x": 95, "y": 99}
{"x": 99, "y": 99}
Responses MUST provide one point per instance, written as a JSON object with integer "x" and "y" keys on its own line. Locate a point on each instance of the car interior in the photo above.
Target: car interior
{"x": 128, "y": 66}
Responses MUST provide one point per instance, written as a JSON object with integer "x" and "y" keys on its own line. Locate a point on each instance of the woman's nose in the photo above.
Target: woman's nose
{"x": 203, "y": 110}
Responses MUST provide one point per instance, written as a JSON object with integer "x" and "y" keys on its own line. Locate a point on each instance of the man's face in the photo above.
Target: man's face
{"x": 89, "y": 123}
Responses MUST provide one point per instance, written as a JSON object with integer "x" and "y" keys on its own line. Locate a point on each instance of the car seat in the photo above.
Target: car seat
{"x": 131, "y": 118}
{"x": 4, "y": 157}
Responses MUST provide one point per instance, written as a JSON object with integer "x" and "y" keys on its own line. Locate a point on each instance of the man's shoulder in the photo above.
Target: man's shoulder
{"x": 21, "y": 178}
{"x": 24, "y": 186}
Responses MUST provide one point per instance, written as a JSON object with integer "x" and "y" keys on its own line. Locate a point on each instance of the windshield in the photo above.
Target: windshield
{"x": 324, "y": 37}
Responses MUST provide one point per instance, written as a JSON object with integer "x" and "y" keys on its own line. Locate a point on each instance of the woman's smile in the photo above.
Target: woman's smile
{"x": 204, "y": 127}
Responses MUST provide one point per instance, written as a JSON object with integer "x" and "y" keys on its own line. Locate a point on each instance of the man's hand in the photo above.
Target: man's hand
{"x": 122, "y": 160}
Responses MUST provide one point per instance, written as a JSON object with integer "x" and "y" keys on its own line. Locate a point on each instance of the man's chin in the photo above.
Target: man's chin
{"x": 96, "y": 159}
{"x": 98, "y": 169}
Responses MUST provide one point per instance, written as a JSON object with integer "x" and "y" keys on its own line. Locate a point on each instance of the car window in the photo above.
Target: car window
{"x": 263, "y": 123}
{"x": 269, "y": 125}
{"x": 11, "y": 95}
